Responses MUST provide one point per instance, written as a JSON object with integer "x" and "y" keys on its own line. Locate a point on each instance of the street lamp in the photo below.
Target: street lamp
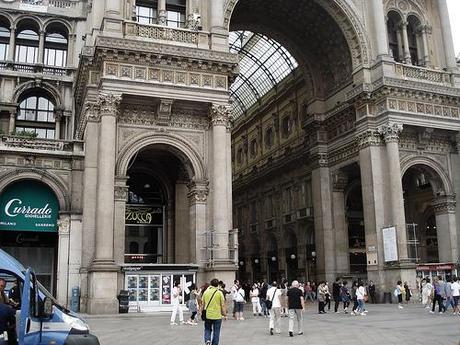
{"x": 292, "y": 256}
{"x": 273, "y": 258}
{"x": 241, "y": 263}
{"x": 256, "y": 261}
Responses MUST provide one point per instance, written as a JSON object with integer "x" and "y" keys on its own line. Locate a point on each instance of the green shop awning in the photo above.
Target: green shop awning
{"x": 28, "y": 206}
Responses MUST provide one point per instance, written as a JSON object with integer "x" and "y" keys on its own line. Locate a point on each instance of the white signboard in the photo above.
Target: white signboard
{"x": 390, "y": 244}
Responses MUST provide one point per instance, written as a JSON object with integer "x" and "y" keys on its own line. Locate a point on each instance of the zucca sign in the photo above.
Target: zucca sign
{"x": 28, "y": 206}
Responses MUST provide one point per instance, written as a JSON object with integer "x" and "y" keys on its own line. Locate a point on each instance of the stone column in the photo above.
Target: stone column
{"x": 446, "y": 228}
{"x": 193, "y": 14}
{"x": 162, "y": 14}
{"x": 448, "y": 42}
{"x": 220, "y": 120}
{"x": 400, "y": 44}
{"x": 91, "y": 139}
{"x": 390, "y": 134}
{"x": 182, "y": 224}
{"x": 113, "y": 18}
{"x": 63, "y": 259}
{"x": 12, "y": 123}
{"x": 339, "y": 182}
{"x": 197, "y": 196}
{"x": 322, "y": 205}
{"x": 71, "y": 50}
{"x": 219, "y": 34}
{"x": 380, "y": 30}
{"x": 103, "y": 279}
{"x": 407, "y": 58}
{"x": 426, "y": 48}
{"x": 41, "y": 47}
{"x": 58, "y": 117}
{"x": 12, "y": 44}
{"x": 121, "y": 197}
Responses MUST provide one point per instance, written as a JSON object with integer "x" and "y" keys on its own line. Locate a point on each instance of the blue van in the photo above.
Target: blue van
{"x": 41, "y": 320}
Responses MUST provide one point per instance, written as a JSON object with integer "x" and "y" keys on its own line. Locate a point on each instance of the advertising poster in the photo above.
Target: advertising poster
{"x": 166, "y": 290}
{"x": 390, "y": 245}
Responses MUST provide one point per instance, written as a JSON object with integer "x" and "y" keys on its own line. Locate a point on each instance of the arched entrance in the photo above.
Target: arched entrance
{"x": 430, "y": 215}
{"x": 29, "y": 212}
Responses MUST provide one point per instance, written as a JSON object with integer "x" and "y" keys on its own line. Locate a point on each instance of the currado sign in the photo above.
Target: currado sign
{"x": 28, "y": 206}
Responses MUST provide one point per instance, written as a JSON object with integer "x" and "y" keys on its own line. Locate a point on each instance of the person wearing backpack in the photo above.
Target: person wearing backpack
{"x": 240, "y": 300}
{"x": 273, "y": 303}
{"x": 213, "y": 309}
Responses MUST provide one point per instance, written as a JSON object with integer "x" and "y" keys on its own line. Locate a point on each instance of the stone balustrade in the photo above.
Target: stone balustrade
{"x": 422, "y": 74}
{"x": 161, "y": 33}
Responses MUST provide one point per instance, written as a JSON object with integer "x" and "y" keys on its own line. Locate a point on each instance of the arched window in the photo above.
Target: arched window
{"x": 4, "y": 39}
{"x": 27, "y": 42}
{"x": 413, "y": 24}
{"x": 394, "y": 36}
{"x": 175, "y": 12}
{"x": 56, "y": 46}
{"x": 36, "y": 115}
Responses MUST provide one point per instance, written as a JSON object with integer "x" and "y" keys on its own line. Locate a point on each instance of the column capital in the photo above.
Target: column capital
{"x": 390, "y": 132}
{"x": 108, "y": 104}
{"x": 198, "y": 191}
{"x": 444, "y": 204}
{"x": 220, "y": 114}
{"x": 370, "y": 137}
{"x": 121, "y": 193}
{"x": 92, "y": 112}
{"x": 63, "y": 224}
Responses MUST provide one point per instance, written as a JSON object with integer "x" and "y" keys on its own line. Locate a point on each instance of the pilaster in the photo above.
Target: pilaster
{"x": 339, "y": 183}
{"x": 446, "y": 227}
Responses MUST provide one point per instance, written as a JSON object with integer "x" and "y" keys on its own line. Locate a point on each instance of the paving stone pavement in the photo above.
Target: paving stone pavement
{"x": 385, "y": 324}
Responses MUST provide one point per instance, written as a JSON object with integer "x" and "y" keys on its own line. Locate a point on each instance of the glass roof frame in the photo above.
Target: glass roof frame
{"x": 264, "y": 63}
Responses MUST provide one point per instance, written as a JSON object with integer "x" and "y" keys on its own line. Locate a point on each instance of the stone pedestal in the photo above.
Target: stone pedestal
{"x": 103, "y": 291}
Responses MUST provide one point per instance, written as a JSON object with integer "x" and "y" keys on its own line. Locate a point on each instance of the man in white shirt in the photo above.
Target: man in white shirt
{"x": 455, "y": 286}
{"x": 274, "y": 295}
{"x": 233, "y": 291}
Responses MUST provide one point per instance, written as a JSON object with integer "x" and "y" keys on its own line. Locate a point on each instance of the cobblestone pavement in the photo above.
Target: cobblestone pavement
{"x": 385, "y": 324}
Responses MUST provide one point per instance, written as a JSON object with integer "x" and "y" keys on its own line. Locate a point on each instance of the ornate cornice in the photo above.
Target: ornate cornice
{"x": 444, "y": 204}
{"x": 390, "y": 132}
{"x": 220, "y": 115}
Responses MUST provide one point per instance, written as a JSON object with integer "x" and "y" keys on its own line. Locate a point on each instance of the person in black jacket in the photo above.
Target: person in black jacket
{"x": 371, "y": 290}
{"x": 336, "y": 294}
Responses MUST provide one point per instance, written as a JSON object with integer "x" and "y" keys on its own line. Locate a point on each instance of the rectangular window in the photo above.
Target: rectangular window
{"x": 26, "y": 54}
{"x": 3, "y": 51}
{"x": 175, "y": 13}
{"x": 146, "y": 12}
{"x": 55, "y": 57}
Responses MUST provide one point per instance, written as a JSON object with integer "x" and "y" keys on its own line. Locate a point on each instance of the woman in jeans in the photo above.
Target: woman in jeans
{"x": 239, "y": 299}
{"x": 193, "y": 305}
{"x": 360, "y": 293}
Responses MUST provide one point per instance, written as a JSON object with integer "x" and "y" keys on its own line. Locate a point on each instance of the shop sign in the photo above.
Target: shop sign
{"x": 439, "y": 267}
{"x": 28, "y": 206}
{"x": 143, "y": 215}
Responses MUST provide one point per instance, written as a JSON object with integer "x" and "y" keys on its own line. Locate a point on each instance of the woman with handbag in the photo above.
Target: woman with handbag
{"x": 273, "y": 303}
{"x": 240, "y": 300}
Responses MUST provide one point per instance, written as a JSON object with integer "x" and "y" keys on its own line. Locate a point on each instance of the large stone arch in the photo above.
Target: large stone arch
{"x": 52, "y": 181}
{"x": 433, "y": 167}
{"x": 196, "y": 167}
{"x": 346, "y": 17}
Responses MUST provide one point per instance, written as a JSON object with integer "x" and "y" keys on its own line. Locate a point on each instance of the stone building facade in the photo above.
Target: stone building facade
{"x": 116, "y": 151}
{"x": 349, "y": 166}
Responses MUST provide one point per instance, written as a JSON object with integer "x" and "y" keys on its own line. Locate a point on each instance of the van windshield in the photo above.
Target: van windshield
{"x": 48, "y": 294}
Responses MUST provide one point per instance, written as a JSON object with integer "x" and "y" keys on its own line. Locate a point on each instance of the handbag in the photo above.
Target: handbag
{"x": 203, "y": 312}
{"x": 269, "y": 303}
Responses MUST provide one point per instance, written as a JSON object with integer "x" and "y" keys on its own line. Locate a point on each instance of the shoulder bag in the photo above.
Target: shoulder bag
{"x": 268, "y": 302}
{"x": 203, "y": 312}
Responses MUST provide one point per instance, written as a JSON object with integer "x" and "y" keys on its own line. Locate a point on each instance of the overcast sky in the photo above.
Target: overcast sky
{"x": 454, "y": 10}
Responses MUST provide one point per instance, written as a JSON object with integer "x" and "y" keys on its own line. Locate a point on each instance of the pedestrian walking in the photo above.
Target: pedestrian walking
{"x": 345, "y": 296}
{"x": 233, "y": 290}
{"x": 427, "y": 293}
{"x": 360, "y": 297}
{"x": 321, "y": 295}
{"x": 371, "y": 289}
{"x": 240, "y": 301}
{"x": 213, "y": 309}
{"x": 449, "y": 300}
{"x": 263, "y": 298}
{"x": 296, "y": 306}
{"x": 354, "y": 287}
{"x": 309, "y": 292}
{"x": 336, "y": 294}
{"x": 327, "y": 303}
{"x": 407, "y": 292}
{"x": 438, "y": 287}
{"x": 255, "y": 300}
{"x": 176, "y": 299}
{"x": 192, "y": 305}
{"x": 456, "y": 295}
{"x": 274, "y": 306}
{"x": 399, "y": 293}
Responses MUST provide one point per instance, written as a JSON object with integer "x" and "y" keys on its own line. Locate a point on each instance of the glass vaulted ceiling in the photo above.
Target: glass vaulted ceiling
{"x": 263, "y": 64}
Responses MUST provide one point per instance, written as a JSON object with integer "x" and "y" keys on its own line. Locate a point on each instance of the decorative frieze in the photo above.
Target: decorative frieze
{"x": 390, "y": 132}
{"x": 165, "y": 76}
{"x": 444, "y": 204}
